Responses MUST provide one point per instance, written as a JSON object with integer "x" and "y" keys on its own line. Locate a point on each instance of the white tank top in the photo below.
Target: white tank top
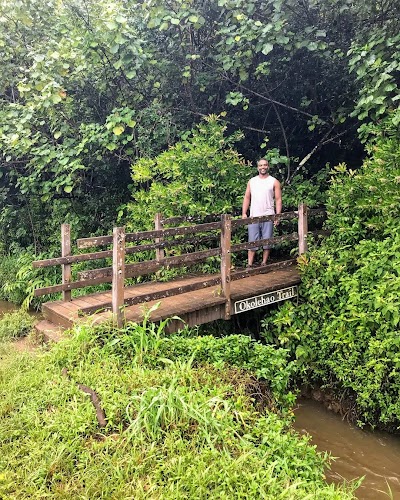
{"x": 262, "y": 196}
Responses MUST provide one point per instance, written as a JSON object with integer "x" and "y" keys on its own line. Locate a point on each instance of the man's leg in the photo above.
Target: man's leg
{"x": 265, "y": 256}
{"x": 250, "y": 257}
{"x": 267, "y": 230}
{"x": 254, "y": 235}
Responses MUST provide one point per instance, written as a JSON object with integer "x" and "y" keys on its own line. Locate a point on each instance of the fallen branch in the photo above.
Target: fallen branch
{"x": 94, "y": 398}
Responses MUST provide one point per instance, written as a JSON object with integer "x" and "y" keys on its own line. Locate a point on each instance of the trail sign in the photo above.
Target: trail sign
{"x": 266, "y": 299}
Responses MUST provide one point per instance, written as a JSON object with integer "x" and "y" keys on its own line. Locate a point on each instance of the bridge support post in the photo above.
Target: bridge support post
{"x": 118, "y": 274}
{"x": 158, "y": 225}
{"x": 302, "y": 228}
{"x": 66, "y": 252}
{"x": 226, "y": 233}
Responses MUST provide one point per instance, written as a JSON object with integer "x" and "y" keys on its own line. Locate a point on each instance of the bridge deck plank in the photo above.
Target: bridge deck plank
{"x": 195, "y": 307}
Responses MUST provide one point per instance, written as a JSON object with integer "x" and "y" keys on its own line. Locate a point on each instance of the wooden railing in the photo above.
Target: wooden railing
{"x": 177, "y": 237}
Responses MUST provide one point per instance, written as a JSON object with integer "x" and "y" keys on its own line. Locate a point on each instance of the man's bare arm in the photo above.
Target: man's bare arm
{"x": 246, "y": 201}
{"x": 278, "y": 199}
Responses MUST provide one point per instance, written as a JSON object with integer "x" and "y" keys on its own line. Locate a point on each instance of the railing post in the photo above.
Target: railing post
{"x": 226, "y": 233}
{"x": 118, "y": 274}
{"x": 302, "y": 228}
{"x": 158, "y": 225}
{"x": 65, "y": 252}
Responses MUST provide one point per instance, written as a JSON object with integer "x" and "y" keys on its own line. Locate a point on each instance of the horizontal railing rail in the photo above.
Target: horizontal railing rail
{"x": 174, "y": 290}
{"x": 148, "y": 235}
{"x": 152, "y": 266}
{"x": 107, "y": 254}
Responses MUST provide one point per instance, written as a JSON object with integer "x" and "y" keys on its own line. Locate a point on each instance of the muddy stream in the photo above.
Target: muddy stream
{"x": 375, "y": 455}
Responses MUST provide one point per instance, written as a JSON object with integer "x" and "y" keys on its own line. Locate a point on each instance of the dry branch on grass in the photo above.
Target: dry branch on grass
{"x": 94, "y": 398}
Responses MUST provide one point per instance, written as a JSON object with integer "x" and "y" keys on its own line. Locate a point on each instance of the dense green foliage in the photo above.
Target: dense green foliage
{"x": 94, "y": 95}
{"x": 89, "y": 89}
{"x": 204, "y": 174}
{"x": 200, "y": 175}
{"x": 177, "y": 427}
{"x": 346, "y": 333}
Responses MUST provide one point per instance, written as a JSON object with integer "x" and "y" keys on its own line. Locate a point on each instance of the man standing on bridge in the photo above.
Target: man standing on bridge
{"x": 263, "y": 194}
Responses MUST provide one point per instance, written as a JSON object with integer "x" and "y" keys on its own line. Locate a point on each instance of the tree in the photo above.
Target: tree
{"x": 89, "y": 88}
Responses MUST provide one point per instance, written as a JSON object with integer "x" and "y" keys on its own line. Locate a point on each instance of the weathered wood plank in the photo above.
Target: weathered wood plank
{"x": 65, "y": 251}
{"x": 160, "y": 254}
{"x": 302, "y": 228}
{"x": 226, "y": 234}
{"x": 245, "y": 273}
{"x": 94, "y": 241}
{"x": 148, "y": 235}
{"x": 118, "y": 274}
{"x": 90, "y": 301}
{"x": 181, "y": 305}
{"x": 56, "y": 315}
{"x": 151, "y": 266}
{"x": 270, "y": 241}
{"x": 263, "y": 283}
{"x": 73, "y": 285}
{"x": 72, "y": 258}
{"x": 156, "y": 295}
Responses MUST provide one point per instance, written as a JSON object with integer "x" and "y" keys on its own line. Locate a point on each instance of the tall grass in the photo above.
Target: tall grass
{"x": 15, "y": 324}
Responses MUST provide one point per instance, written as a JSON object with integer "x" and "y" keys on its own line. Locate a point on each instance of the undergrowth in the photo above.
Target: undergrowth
{"x": 181, "y": 421}
{"x": 15, "y": 324}
{"x": 345, "y": 334}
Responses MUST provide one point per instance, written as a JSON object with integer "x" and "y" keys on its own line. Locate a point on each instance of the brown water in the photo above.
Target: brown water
{"x": 6, "y": 307}
{"x": 375, "y": 455}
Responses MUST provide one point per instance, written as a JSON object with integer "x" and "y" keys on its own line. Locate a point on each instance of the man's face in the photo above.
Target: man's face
{"x": 262, "y": 167}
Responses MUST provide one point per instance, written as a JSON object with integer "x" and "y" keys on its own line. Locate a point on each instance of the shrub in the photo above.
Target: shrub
{"x": 345, "y": 333}
{"x": 200, "y": 175}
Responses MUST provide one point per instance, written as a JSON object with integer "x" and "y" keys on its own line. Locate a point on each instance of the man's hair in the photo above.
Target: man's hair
{"x": 262, "y": 159}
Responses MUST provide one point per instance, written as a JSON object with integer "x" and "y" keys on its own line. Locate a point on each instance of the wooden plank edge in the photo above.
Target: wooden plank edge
{"x": 295, "y": 280}
{"x": 73, "y": 285}
{"x": 162, "y": 294}
{"x": 56, "y": 318}
{"x": 245, "y": 273}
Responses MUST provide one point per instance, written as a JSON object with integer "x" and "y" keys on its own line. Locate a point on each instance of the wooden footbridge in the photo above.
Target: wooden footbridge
{"x": 195, "y": 298}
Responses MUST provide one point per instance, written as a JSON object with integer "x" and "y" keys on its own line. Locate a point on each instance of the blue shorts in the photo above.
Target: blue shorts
{"x": 260, "y": 231}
